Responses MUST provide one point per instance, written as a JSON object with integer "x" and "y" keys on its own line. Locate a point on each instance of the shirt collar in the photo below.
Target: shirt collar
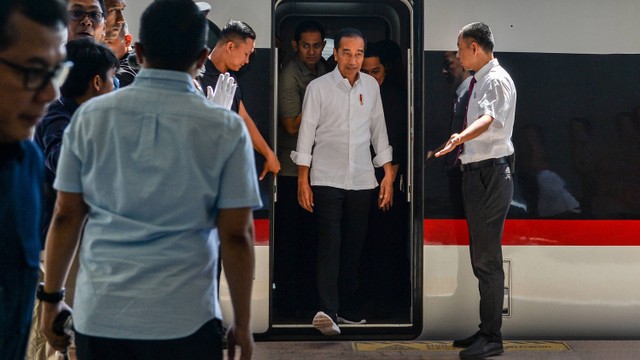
{"x": 464, "y": 86}
{"x": 486, "y": 68}
{"x": 69, "y": 104}
{"x": 339, "y": 79}
{"x": 166, "y": 79}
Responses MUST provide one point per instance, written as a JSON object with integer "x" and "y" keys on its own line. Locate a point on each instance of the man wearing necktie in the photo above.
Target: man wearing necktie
{"x": 487, "y": 184}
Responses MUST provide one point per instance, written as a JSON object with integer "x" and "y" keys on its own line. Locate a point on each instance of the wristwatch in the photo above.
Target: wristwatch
{"x": 52, "y": 298}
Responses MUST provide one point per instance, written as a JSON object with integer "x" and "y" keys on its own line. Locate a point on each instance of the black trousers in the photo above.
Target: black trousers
{"x": 487, "y": 195}
{"x": 342, "y": 219}
{"x": 204, "y": 344}
{"x": 385, "y": 272}
{"x": 295, "y": 242}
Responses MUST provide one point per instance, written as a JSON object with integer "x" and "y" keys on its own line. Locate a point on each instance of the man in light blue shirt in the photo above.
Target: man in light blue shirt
{"x": 155, "y": 168}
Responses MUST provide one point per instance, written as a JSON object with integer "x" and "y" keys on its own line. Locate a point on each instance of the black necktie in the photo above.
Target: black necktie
{"x": 464, "y": 123}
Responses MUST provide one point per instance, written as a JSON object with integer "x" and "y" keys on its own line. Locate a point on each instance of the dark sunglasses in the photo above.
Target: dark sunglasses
{"x": 78, "y": 15}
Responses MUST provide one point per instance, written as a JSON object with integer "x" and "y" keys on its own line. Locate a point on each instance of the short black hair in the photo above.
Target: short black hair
{"x": 89, "y": 59}
{"x": 347, "y": 32}
{"x": 50, "y": 13}
{"x": 374, "y": 50}
{"x": 103, "y": 6}
{"x": 308, "y": 26}
{"x": 236, "y": 30}
{"x": 480, "y": 33}
{"x": 173, "y": 33}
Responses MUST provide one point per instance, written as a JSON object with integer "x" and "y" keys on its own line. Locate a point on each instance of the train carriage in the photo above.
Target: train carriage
{"x": 571, "y": 265}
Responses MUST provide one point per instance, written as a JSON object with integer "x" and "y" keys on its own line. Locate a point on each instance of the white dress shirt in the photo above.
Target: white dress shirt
{"x": 339, "y": 122}
{"x": 494, "y": 94}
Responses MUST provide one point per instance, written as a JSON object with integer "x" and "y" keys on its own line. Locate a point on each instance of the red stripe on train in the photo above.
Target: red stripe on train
{"x": 521, "y": 232}
{"x": 541, "y": 232}
{"x": 262, "y": 231}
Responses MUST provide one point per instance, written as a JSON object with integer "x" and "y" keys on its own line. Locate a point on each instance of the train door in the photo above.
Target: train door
{"x": 388, "y": 295}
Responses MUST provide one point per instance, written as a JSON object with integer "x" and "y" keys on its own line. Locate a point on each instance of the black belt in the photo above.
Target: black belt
{"x": 484, "y": 163}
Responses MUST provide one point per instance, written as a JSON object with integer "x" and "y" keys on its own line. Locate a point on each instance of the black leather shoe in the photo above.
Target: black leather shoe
{"x": 482, "y": 348}
{"x": 466, "y": 342}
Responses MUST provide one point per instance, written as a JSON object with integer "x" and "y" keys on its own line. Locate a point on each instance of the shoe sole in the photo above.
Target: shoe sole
{"x": 482, "y": 356}
{"x": 465, "y": 343}
{"x": 323, "y": 323}
{"x": 461, "y": 344}
{"x": 342, "y": 320}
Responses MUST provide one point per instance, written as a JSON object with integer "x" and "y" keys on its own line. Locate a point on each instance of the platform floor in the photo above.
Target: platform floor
{"x": 437, "y": 350}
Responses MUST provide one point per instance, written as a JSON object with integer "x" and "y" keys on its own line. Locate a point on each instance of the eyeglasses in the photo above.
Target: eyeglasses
{"x": 78, "y": 15}
{"x": 34, "y": 79}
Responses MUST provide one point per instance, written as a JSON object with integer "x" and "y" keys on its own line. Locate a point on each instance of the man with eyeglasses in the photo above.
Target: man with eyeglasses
{"x": 31, "y": 60}
{"x": 86, "y": 19}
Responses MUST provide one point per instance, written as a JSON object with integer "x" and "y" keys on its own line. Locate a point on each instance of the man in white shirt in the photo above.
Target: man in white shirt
{"x": 487, "y": 185}
{"x": 341, "y": 117}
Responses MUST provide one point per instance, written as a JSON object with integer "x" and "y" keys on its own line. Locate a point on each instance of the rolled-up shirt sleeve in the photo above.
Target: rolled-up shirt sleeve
{"x": 379, "y": 137}
{"x": 306, "y": 134}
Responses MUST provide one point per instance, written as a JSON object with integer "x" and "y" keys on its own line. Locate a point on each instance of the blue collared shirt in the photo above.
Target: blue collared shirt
{"x": 154, "y": 162}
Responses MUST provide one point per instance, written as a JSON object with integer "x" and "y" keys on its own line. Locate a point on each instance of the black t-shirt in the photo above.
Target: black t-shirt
{"x": 126, "y": 73}
{"x": 210, "y": 78}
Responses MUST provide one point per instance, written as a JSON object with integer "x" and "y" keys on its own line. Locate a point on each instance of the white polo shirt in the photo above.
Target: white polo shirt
{"x": 494, "y": 94}
{"x": 339, "y": 122}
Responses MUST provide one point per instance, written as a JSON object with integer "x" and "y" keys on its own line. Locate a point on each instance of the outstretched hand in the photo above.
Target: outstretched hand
{"x": 451, "y": 144}
{"x": 224, "y": 92}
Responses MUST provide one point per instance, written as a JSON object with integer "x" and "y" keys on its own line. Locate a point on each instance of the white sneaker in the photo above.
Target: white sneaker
{"x": 325, "y": 324}
{"x": 342, "y": 320}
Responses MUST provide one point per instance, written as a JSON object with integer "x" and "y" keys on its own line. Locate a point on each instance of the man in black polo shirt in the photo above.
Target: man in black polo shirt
{"x": 232, "y": 52}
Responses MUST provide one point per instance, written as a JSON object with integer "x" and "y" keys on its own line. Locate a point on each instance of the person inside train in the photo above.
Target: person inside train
{"x": 86, "y": 19}
{"x": 232, "y": 52}
{"x": 486, "y": 153}
{"x": 545, "y": 191}
{"x": 336, "y": 175}
{"x": 294, "y": 228}
{"x": 121, "y": 46}
{"x": 151, "y": 193}
{"x": 32, "y": 64}
{"x": 394, "y": 67}
{"x": 385, "y": 268}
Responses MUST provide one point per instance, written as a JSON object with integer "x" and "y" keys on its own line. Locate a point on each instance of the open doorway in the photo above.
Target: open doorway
{"x": 384, "y": 295}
